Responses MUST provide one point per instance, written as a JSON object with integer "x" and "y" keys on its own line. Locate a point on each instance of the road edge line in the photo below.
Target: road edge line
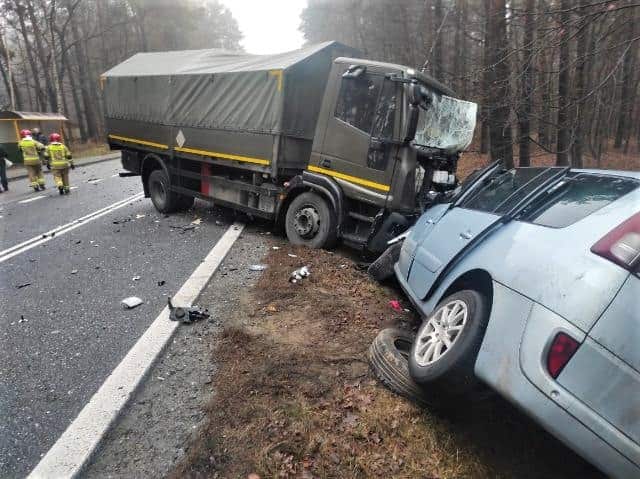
{"x": 77, "y": 444}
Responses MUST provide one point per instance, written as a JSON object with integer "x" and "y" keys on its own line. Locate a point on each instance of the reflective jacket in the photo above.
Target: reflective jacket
{"x": 58, "y": 156}
{"x": 30, "y": 149}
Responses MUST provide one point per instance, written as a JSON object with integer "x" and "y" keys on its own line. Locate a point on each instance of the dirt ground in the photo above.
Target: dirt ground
{"x": 294, "y": 398}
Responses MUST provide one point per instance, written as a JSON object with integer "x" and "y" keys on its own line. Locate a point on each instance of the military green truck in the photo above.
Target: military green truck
{"x": 326, "y": 145}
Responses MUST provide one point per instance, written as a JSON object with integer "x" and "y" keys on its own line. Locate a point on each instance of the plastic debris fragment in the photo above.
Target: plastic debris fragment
{"x": 131, "y": 302}
{"x": 257, "y": 267}
{"x": 395, "y": 305}
{"x": 186, "y": 314}
{"x": 299, "y": 274}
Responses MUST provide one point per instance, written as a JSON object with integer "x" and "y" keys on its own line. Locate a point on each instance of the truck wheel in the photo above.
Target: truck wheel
{"x": 311, "y": 222}
{"x": 382, "y": 268}
{"x": 165, "y": 200}
{"x": 444, "y": 352}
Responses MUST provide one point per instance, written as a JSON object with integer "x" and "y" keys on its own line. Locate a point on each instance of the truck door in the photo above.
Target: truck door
{"x": 364, "y": 167}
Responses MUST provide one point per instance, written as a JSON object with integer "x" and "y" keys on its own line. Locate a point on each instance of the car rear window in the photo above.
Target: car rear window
{"x": 576, "y": 197}
{"x": 506, "y": 188}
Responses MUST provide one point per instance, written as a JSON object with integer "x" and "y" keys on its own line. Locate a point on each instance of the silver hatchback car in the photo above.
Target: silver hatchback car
{"x": 529, "y": 280}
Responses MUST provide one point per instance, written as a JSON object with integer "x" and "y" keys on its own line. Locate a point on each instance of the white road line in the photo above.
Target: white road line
{"x": 60, "y": 230}
{"x": 74, "y": 448}
{"x": 73, "y": 187}
{"x": 35, "y": 198}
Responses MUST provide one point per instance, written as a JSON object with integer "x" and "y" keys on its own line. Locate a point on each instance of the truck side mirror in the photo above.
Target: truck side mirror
{"x": 415, "y": 94}
{"x": 354, "y": 71}
{"x": 412, "y": 122}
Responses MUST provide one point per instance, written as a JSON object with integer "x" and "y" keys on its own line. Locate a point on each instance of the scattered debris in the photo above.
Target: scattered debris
{"x": 78, "y": 241}
{"x": 272, "y": 308}
{"x": 395, "y": 305}
{"x": 23, "y": 285}
{"x": 186, "y": 314}
{"x": 219, "y": 223}
{"x": 131, "y": 302}
{"x": 275, "y": 248}
{"x": 119, "y": 222}
{"x": 135, "y": 278}
{"x": 22, "y": 319}
{"x": 161, "y": 282}
{"x": 159, "y": 378}
{"x": 290, "y": 255}
{"x": 183, "y": 228}
{"x": 49, "y": 235}
{"x": 197, "y": 221}
{"x": 138, "y": 216}
{"x": 257, "y": 267}
{"x": 299, "y": 274}
{"x": 74, "y": 271}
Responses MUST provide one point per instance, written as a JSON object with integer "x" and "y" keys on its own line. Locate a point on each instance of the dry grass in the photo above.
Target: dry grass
{"x": 293, "y": 397}
{"x": 88, "y": 149}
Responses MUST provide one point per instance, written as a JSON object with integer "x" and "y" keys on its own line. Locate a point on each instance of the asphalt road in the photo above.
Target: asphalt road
{"x": 63, "y": 334}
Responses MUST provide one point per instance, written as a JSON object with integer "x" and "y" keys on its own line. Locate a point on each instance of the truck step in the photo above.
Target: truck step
{"x": 356, "y": 241}
{"x": 361, "y": 217}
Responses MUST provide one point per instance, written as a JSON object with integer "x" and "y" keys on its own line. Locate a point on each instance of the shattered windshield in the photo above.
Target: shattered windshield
{"x": 446, "y": 123}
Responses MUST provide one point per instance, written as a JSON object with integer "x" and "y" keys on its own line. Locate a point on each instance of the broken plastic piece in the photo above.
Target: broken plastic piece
{"x": 197, "y": 221}
{"x": 299, "y": 274}
{"x": 161, "y": 282}
{"x": 257, "y": 267}
{"x": 131, "y": 302}
{"x": 135, "y": 278}
{"x": 395, "y": 305}
{"x": 186, "y": 314}
{"x": 23, "y": 285}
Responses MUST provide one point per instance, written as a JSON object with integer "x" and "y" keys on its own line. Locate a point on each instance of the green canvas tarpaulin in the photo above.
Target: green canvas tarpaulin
{"x": 221, "y": 90}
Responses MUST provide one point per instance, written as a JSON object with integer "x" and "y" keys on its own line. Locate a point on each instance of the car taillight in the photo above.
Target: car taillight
{"x": 562, "y": 349}
{"x": 622, "y": 245}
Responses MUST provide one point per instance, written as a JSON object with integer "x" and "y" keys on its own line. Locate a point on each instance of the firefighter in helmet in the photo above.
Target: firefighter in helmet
{"x": 30, "y": 149}
{"x": 59, "y": 159}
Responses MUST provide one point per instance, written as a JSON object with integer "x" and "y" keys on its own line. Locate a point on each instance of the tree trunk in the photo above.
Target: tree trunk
{"x": 437, "y": 65}
{"x": 460, "y": 57}
{"x": 564, "y": 127}
{"x": 526, "y": 106}
{"x": 579, "y": 90}
{"x": 40, "y": 52}
{"x": 625, "y": 105}
{"x": 497, "y": 49}
{"x": 85, "y": 83}
{"x": 29, "y": 50}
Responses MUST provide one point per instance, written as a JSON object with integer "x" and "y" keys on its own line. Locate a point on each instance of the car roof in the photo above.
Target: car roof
{"x": 628, "y": 174}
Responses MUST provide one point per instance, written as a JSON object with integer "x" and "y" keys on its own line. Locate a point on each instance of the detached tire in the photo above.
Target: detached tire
{"x": 388, "y": 355}
{"x": 165, "y": 200}
{"x": 311, "y": 222}
{"x": 382, "y": 268}
{"x": 444, "y": 352}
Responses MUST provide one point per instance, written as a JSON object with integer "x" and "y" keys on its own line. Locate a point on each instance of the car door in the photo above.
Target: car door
{"x": 475, "y": 214}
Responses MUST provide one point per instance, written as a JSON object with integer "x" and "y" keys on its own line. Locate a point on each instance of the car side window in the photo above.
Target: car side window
{"x": 501, "y": 188}
{"x": 576, "y": 198}
{"x": 357, "y": 101}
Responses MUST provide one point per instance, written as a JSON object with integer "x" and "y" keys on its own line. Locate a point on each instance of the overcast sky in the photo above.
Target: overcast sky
{"x": 268, "y": 26}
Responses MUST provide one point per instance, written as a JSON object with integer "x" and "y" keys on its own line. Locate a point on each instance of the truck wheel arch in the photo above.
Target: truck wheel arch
{"x": 150, "y": 163}
{"x": 320, "y": 184}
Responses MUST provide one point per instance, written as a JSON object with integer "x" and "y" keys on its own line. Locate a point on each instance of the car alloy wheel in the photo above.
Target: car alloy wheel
{"x": 442, "y": 330}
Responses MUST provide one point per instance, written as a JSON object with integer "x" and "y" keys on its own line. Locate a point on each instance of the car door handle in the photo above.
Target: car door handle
{"x": 325, "y": 163}
{"x": 466, "y": 235}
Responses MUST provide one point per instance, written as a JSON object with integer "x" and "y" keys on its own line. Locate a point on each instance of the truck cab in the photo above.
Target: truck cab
{"x": 389, "y": 137}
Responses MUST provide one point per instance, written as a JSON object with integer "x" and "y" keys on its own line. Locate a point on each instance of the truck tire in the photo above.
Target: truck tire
{"x": 165, "y": 200}
{"x": 388, "y": 355}
{"x": 382, "y": 268}
{"x": 311, "y": 222}
{"x": 463, "y": 318}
